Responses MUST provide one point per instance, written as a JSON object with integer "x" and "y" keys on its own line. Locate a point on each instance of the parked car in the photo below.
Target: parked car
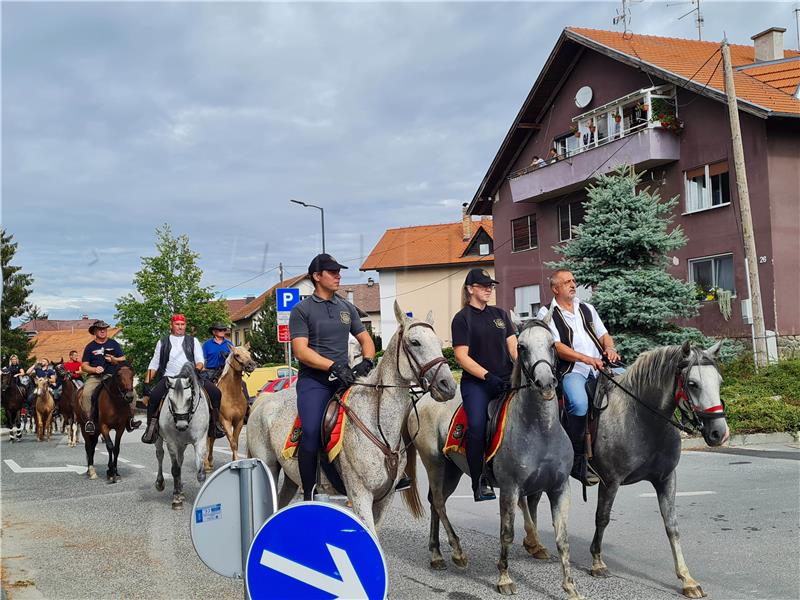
{"x": 263, "y": 375}
{"x": 277, "y": 385}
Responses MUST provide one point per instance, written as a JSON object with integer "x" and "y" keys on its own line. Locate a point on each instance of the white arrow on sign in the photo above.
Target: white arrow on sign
{"x": 349, "y": 587}
{"x": 67, "y": 469}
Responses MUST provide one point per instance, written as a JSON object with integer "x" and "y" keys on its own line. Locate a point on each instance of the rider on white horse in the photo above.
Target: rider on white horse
{"x": 171, "y": 353}
{"x": 485, "y": 346}
{"x": 581, "y": 342}
{"x": 320, "y": 326}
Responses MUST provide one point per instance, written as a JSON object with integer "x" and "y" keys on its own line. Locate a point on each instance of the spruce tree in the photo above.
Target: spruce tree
{"x": 621, "y": 250}
{"x": 16, "y": 289}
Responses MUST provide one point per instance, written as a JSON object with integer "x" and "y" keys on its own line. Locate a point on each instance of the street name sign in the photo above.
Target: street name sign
{"x": 315, "y": 550}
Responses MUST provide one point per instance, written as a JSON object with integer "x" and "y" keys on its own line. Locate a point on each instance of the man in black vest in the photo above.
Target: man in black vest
{"x": 581, "y": 342}
{"x": 171, "y": 353}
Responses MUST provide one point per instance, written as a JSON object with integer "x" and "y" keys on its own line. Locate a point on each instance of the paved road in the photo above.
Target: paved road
{"x": 67, "y": 537}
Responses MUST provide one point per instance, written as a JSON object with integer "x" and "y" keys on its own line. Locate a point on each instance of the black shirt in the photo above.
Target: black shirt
{"x": 485, "y": 333}
{"x": 94, "y": 354}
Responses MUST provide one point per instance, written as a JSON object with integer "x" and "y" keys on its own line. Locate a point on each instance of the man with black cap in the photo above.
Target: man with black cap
{"x": 101, "y": 359}
{"x": 216, "y": 349}
{"x": 485, "y": 346}
{"x": 171, "y": 353}
{"x": 319, "y": 327}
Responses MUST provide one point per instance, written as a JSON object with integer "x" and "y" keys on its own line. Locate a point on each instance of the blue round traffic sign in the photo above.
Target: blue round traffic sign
{"x": 315, "y": 550}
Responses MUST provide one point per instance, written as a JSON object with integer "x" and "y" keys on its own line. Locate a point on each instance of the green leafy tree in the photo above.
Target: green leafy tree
{"x": 263, "y": 335}
{"x": 34, "y": 313}
{"x": 167, "y": 283}
{"x": 16, "y": 289}
{"x": 621, "y": 250}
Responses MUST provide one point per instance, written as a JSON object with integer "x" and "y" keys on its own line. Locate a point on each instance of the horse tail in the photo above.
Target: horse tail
{"x": 411, "y": 496}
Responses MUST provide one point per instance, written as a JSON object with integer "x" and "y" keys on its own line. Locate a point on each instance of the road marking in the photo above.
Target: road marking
{"x": 653, "y": 494}
{"x": 125, "y": 460}
{"x": 67, "y": 469}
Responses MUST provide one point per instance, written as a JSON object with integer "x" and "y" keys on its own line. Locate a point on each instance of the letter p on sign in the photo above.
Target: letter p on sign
{"x": 286, "y": 298}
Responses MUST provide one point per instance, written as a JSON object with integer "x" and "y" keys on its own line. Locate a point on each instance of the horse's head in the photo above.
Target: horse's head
{"x": 241, "y": 360}
{"x": 419, "y": 345}
{"x": 180, "y": 399}
{"x": 42, "y": 385}
{"x": 60, "y": 369}
{"x": 123, "y": 380}
{"x": 537, "y": 356}
{"x": 701, "y": 403}
{"x": 6, "y": 379}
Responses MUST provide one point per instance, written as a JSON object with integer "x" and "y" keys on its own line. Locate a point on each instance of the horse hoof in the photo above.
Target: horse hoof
{"x": 438, "y": 564}
{"x": 460, "y": 561}
{"x": 600, "y": 572}
{"x": 159, "y": 485}
{"x": 201, "y": 476}
{"x": 91, "y": 473}
{"x": 694, "y": 591}
{"x": 507, "y": 589}
{"x": 536, "y": 551}
{"x": 177, "y": 504}
{"x": 208, "y": 469}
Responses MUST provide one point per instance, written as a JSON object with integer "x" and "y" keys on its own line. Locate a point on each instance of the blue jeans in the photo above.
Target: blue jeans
{"x": 574, "y": 385}
{"x": 312, "y": 398}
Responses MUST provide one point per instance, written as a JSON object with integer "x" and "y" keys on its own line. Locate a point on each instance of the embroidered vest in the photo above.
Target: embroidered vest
{"x": 166, "y": 346}
{"x": 565, "y": 331}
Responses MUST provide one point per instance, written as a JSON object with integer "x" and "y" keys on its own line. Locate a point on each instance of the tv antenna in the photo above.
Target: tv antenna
{"x": 698, "y": 19}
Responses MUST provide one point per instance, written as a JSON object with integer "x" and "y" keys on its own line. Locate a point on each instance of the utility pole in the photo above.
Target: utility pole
{"x": 760, "y": 342}
{"x": 280, "y": 271}
{"x": 286, "y": 356}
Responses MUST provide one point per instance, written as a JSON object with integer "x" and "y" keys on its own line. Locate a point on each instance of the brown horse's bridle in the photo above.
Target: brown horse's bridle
{"x": 392, "y": 456}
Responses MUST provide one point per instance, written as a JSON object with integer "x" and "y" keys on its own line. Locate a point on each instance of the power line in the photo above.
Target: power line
{"x": 248, "y": 280}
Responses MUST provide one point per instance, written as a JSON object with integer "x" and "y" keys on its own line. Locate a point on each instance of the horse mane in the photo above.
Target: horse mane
{"x": 661, "y": 364}
{"x": 516, "y": 373}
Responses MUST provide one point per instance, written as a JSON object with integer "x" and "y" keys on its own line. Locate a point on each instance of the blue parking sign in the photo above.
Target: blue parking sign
{"x": 286, "y": 298}
{"x": 315, "y": 550}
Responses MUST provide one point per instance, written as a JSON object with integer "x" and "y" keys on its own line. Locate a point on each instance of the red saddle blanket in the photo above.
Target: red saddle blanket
{"x": 333, "y": 444}
{"x": 457, "y": 433}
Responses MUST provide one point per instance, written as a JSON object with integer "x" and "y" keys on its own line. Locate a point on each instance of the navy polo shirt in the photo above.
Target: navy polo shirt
{"x": 326, "y": 324}
{"x": 95, "y": 353}
{"x": 485, "y": 333}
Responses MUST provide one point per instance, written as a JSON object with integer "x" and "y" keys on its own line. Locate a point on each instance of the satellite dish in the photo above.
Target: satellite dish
{"x": 583, "y": 97}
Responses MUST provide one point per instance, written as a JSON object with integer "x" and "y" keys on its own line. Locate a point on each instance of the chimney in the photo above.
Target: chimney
{"x": 769, "y": 44}
{"x": 249, "y": 299}
{"x": 84, "y": 317}
{"x": 466, "y": 223}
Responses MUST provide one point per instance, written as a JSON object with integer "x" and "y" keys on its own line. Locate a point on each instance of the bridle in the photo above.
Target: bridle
{"x": 187, "y": 416}
{"x": 422, "y": 370}
{"x": 121, "y": 392}
{"x": 690, "y": 410}
{"x": 530, "y": 372}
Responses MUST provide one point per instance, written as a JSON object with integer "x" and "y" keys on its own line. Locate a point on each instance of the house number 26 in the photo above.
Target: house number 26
{"x": 762, "y": 260}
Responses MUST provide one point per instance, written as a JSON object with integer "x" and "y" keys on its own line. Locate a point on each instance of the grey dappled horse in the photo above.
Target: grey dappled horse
{"x": 633, "y": 444}
{"x": 412, "y": 357}
{"x": 535, "y": 457}
{"x": 183, "y": 420}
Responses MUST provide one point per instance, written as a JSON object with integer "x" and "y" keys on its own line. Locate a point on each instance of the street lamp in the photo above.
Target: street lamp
{"x": 322, "y": 214}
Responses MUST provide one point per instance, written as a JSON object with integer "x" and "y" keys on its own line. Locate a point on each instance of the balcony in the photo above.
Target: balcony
{"x": 628, "y": 130}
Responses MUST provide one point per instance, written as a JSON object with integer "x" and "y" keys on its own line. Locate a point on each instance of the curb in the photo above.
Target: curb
{"x": 745, "y": 439}
{"x": 5, "y": 434}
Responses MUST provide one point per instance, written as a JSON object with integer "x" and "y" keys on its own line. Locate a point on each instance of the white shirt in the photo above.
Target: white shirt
{"x": 581, "y": 342}
{"x": 177, "y": 357}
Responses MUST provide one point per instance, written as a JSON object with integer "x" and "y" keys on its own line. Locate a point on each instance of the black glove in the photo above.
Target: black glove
{"x": 343, "y": 373}
{"x": 146, "y": 389}
{"x": 496, "y": 386}
{"x": 363, "y": 368}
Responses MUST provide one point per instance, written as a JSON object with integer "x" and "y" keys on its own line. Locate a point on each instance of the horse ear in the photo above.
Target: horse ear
{"x": 515, "y": 320}
{"x": 686, "y": 348}
{"x": 401, "y": 317}
{"x": 247, "y": 345}
{"x": 713, "y": 351}
{"x": 429, "y": 317}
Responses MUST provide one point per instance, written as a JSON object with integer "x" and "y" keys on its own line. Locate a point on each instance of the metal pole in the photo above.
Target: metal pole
{"x": 322, "y": 213}
{"x": 744, "y": 207}
{"x": 290, "y": 363}
{"x": 245, "y": 468}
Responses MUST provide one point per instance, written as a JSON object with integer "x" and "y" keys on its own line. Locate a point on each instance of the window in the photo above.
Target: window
{"x": 711, "y": 273}
{"x": 707, "y": 187}
{"x": 569, "y": 216}
{"x": 523, "y": 234}
{"x": 527, "y": 301}
{"x": 566, "y": 145}
{"x": 236, "y": 337}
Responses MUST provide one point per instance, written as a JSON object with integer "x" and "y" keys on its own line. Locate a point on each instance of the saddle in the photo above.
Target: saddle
{"x": 455, "y": 445}
{"x": 334, "y": 420}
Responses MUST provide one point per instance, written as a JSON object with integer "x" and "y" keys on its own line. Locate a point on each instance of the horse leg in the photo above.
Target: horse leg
{"x": 117, "y": 446}
{"x": 110, "y": 451}
{"x": 209, "y": 466}
{"x": 200, "y": 451}
{"x": 437, "y": 496}
{"x": 559, "y": 508}
{"x": 532, "y": 543}
{"x": 160, "y": 459}
{"x": 90, "y": 443}
{"x": 288, "y": 490}
{"x": 362, "y": 501}
{"x": 176, "y": 453}
{"x": 508, "y": 499}
{"x": 237, "y": 430}
{"x": 605, "y": 499}
{"x": 665, "y": 490}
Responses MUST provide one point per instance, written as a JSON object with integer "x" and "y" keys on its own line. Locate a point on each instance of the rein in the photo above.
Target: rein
{"x": 529, "y": 372}
{"x": 192, "y": 406}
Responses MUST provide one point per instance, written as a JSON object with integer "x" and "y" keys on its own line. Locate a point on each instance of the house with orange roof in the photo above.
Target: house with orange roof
{"x": 423, "y": 268}
{"x": 604, "y": 99}
{"x": 56, "y": 344}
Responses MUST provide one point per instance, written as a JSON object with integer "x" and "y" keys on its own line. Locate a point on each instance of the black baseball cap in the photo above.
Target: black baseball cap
{"x": 324, "y": 262}
{"x": 479, "y": 276}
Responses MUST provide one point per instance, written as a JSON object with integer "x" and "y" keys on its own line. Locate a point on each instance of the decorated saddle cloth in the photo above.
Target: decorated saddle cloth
{"x": 334, "y": 421}
{"x": 495, "y": 429}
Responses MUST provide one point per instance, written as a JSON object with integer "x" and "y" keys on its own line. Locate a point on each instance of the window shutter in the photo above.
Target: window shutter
{"x": 717, "y": 168}
{"x": 519, "y": 234}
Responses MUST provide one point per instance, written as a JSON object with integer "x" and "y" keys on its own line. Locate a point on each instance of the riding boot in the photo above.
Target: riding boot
{"x": 576, "y": 429}
{"x": 214, "y": 428}
{"x": 151, "y": 432}
{"x": 307, "y": 462}
{"x": 481, "y": 489}
{"x": 132, "y": 424}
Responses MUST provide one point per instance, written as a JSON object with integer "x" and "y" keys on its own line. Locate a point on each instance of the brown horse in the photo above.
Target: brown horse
{"x": 45, "y": 407}
{"x": 233, "y": 406}
{"x": 68, "y": 402}
{"x": 113, "y": 407}
{"x": 13, "y": 399}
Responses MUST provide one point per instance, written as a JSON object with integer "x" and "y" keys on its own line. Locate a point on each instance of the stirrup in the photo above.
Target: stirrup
{"x": 483, "y": 492}
{"x": 132, "y": 424}
{"x": 403, "y": 484}
{"x": 88, "y": 427}
{"x": 584, "y": 473}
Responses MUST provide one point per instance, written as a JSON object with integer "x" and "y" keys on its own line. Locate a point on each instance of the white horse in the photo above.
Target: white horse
{"x": 370, "y": 463}
{"x": 183, "y": 421}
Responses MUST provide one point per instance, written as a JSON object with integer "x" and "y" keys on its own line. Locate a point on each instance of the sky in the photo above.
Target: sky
{"x": 119, "y": 117}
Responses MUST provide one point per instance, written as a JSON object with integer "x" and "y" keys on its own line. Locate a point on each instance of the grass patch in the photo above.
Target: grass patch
{"x": 761, "y": 402}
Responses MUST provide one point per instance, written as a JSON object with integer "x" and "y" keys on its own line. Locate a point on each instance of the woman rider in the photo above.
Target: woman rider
{"x": 320, "y": 326}
{"x": 485, "y": 347}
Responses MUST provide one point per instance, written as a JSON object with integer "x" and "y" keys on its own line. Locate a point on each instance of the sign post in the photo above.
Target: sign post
{"x": 285, "y": 299}
{"x": 315, "y": 550}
